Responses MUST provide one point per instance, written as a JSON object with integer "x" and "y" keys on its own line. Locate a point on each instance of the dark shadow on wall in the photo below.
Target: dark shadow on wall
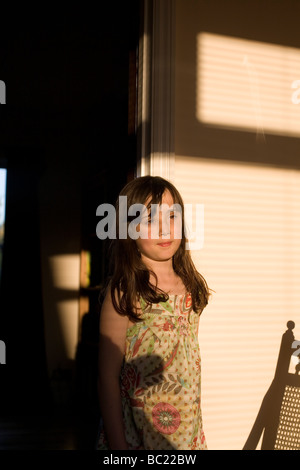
{"x": 65, "y": 123}
{"x": 86, "y": 371}
{"x": 279, "y": 414}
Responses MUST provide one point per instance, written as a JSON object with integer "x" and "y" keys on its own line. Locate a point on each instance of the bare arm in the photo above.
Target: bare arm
{"x": 111, "y": 352}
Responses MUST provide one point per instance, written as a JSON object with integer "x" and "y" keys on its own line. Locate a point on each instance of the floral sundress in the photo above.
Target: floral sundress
{"x": 160, "y": 379}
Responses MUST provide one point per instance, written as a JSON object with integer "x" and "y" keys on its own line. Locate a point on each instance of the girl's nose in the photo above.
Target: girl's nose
{"x": 164, "y": 226}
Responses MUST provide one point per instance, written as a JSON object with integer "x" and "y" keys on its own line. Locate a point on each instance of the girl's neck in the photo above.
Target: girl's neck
{"x": 167, "y": 279}
{"x": 162, "y": 269}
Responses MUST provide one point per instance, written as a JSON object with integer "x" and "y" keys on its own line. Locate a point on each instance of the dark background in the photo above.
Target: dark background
{"x": 67, "y": 138}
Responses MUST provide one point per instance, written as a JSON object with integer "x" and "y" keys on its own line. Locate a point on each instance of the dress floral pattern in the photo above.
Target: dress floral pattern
{"x": 161, "y": 379}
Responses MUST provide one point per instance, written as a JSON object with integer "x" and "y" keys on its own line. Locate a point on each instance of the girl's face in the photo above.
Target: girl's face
{"x": 163, "y": 228}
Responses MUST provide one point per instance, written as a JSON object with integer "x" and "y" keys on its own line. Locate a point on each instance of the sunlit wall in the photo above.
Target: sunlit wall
{"x": 65, "y": 278}
{"x": 251, "y": 259}
{"x": 249, "y": 85}
{"x": 237, "y": 125}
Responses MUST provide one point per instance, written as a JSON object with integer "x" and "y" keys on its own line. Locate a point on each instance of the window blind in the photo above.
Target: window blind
{"x": 251, "y": 259}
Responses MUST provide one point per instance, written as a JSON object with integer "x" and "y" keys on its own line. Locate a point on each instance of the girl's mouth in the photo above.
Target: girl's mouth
{"x": 165, "y": 244}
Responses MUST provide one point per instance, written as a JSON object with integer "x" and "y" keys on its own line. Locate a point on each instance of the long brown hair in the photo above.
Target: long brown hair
{"x": 130, "y": 279}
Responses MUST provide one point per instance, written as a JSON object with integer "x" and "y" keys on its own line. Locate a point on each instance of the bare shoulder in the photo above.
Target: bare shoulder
{"x": 112, "y": 324}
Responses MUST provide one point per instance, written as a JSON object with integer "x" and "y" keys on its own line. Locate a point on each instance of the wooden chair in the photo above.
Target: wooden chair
{"x": 279, "y": 415}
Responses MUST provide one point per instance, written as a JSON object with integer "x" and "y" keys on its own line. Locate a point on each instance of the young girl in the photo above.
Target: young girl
{"x": 149, "y": 362}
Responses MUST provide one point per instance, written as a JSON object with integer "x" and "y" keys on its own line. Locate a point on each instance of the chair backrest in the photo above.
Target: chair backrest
{"x": 279, "y": 415}
{"x": 288, "y": 430}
